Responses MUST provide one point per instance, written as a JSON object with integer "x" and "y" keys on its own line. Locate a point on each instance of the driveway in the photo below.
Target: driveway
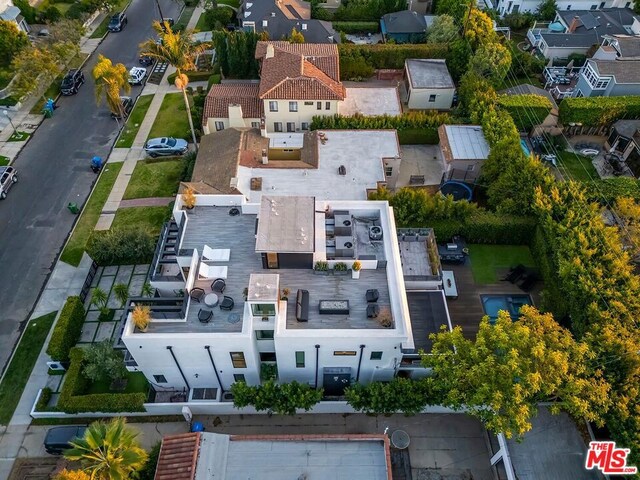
{"x": 54, "y": 170}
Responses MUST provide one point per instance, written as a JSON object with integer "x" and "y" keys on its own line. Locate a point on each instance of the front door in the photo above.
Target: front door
{"x": 272, "y": 260}
{"x": 335, "y": 380}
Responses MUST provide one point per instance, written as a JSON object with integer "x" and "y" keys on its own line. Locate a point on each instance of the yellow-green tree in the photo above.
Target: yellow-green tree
{"x": 629, "y": 212}
{"x": 72, "y": 475}
{"x": 110, "y": 81}
{"x": 177, "y": 49}
{"x": 479, "y": 29}
{"x": 492, "y": 61}
{"x": 295, "y": 36}
{"x": 108, "y": 451}
{"x": 512, "y": 366}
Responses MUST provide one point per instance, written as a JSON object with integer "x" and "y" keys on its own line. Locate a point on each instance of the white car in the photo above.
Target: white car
{"x": 589, "y": 152}
{"x": 136, "y": 75}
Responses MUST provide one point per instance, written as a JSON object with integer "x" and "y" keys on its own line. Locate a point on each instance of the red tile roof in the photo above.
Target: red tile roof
{"x": 220, "y": 97}
{"x": 178, "y": 457}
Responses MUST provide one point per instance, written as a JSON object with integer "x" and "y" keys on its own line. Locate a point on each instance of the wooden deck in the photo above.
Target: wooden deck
{"x": 466, "y": 311}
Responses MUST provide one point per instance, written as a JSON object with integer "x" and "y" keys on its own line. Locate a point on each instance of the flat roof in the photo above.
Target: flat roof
{"x": 428, "y": 311}
{"x": 263, "y": 287}
{"x": 467, "y": 142}
{"x": 371, "y": 101}
{"x": 286, "y": 225}
{"x": 286, "y": 140}
{"x": 429, "y": 73}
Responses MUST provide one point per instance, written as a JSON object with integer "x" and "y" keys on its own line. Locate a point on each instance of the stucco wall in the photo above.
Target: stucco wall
{"x": 305, "y": 113}
{"x": 419, "y": 98}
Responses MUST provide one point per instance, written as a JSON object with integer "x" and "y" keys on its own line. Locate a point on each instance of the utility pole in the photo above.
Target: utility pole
{"x": 160, "y": 11}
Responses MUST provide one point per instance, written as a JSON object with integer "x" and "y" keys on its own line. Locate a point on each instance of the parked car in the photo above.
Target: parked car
{"x": 156, "y": 147}
{"x": 168, "y": 21}
{"x": 136, "y": 75}
{"x": 8, "y": 176}
{"x": 146, "y": 60}
{"x": 127, "y": 105}
{"x": 71, "y": 82}
{"x": 117, "y": 22}
{"x": 589, "y": 152}
{"x": 58, "y": 438}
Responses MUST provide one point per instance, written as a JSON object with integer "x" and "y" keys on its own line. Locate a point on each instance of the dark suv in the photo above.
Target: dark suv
{"x": 117, "y": 22}
{"x": 127, "y": 105}
{"x": 71, "y": 82}
{"x": 58, "y": 438}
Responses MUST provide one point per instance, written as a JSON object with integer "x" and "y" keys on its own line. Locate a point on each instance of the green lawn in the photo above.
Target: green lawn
{"x": 150, "y": 218}
{"x": 233, "y": 3}
{"x": 19, "y": 370}
{"x": 136, "y": 382}
{"x": 578, "y": 167}
{"x": 4, "y": 160}
{"x": 132, "y": 126}
{"x": 182, "y": 22}
{"x": 18, "y": 136}
{"x": 154, "y": 178}
{"x": 72, "y": 253}
{"x": 486, "y": 259}
{"x": 172, "y": 118}
{"x": 63, "y": 7}
{"x": 202, "y": 26}
{"x": 54, "y": 89}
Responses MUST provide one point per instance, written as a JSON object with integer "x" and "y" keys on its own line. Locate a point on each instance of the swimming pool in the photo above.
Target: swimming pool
{"x": 492, "y": 304}
{"x": 525, "y": 147}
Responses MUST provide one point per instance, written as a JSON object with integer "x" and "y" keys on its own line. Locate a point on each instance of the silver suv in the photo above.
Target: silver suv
{"x": 8, "y": 176}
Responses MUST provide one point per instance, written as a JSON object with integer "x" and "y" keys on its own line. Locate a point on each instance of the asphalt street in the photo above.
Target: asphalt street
{"x": 54, "y": 170}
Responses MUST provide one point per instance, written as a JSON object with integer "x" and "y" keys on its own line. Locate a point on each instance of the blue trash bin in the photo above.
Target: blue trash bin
{"x": 197, "y": 427}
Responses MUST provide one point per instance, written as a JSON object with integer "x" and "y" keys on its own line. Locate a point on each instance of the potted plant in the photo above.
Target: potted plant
{"x": 189, "y": 198}
{"x": 141, "y": 317}
{"x": 385, "y": 319}
{"x": 340, "y": 268}
{"x": 355, "y": 269}
{"x": 285, "y": 294}
{"x": 321, "y": 268}
{"x": 245, "y": 293}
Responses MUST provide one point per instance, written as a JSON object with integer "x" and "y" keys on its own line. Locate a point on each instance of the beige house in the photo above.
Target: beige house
{"x": 464, "y": 150}
{"x": 428, "y": 83}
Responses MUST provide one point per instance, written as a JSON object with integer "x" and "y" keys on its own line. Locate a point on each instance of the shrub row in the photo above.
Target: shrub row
{"x": 43, "y": 401}
{"x": 357, "y": 27}
{"x": 527, "y": 111}
{"x": 486, "y": 227}
{"x": 598, "y": 111}
{"x": 553, "y": 299}
{"x": 409, "y": 120}
{"x": 67, "y": 330}
{"x": 197, "y": 76}
{"x": 125, "y": 246}
{"x": 72, "y": 400}
{"x": 608, "y": 190}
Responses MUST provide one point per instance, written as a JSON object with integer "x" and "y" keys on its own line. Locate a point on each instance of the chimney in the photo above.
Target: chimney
{"x": 236, "y": 119}
{"x": 270, "y": 51}
{"x": 263, "y": 128}
{"x": 574, "y": 24}
{"x": 265, "y": 158}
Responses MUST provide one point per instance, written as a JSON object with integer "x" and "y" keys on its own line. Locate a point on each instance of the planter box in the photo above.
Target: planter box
{"x": 340, "y": 272}
{"x": 321, "y": 272}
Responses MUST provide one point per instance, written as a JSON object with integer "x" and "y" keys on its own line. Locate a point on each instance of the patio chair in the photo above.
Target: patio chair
{"x": 218, "y": 285}
{"x": 196, "y": 294}
{"x": 372, "y": 295}
{"x": 373, "y": 311}
{"x": 227, "y": 303}
{"x": 205, "y": 315}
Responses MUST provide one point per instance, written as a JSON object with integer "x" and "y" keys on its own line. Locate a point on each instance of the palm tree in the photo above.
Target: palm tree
{"x": 177, "y": 49}
{"x": 110, "y": 79}
{"x": 108, "y": 451}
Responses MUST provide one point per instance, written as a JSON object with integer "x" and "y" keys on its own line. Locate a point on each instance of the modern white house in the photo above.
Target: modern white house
{"x": 428, "y": 84}
{"x": 505, "y": 7}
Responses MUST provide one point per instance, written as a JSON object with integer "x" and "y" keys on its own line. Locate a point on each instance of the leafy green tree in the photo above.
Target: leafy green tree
{"x": 547, "y": 10}
{"x": 108, "y": 451}
{"x": 110, "y": 81}
{"x": 27, "y": 11}
{"x": 279, "y": 398}
{"x": 628, "y": 210}
{"x": 492, "y": 61}
{"x": 511, "y": 367}
{"x": 443, "y": 30}
{"x": 458, "y": 58}
{"x": 479, "y": 29}
{"x": 236, "y": 53}
{"x": 102, "y": 362}
{"x": 35, "y": 69}
{"x": 12, "y": 41}
{"x": 456, "y": 8}
{"x": 399, "y": 395}
{"x": 476, "y": 96}
{"x": 217, "y": 18}
{"x": 295, "y": 36}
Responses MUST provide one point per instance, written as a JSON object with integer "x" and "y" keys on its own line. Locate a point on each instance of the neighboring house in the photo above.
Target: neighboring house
{"x": 578, "y": 31}
{"x": 11, "y": 13}
{"x": 624, "y": 140}
{"x": 204, "y": 455}
{"x": 297, "y": 82}
{"x": 403, "y": 27}
{"x": 505, "y": 7}
{"x": 464, "y": 150}
{"x": 279, "y": 17}
{"x": 429, "y": 84}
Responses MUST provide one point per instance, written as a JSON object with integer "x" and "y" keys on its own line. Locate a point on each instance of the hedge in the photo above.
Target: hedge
{"x": 409, "y": 120}
{"x": 607, "y": 190}
{"x": 356, "y": 27}
{"x": 199, "y": 76}
{"x": 486, "y": 227}
{"x": 72, "y": 400}
{"x": 526, "y": 110}
{"x": 43, "y": 401}
{"x": 553, "y": 300}
{"x": 67, "y": 330}
{"x": 125, "y": 246}
{"x": 598, "y": 111}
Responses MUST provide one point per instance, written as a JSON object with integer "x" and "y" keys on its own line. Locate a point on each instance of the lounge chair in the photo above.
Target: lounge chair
{"x": 196, "y": 294}
{"x": 205, "y": 315}
{"x": 227, "y": 303}
{"x": 216, "y": 254}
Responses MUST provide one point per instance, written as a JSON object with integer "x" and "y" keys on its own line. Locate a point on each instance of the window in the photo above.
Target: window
{"x": 291, "y": 127}
{"x": 432, "y": 98}
{"x": 237, "y": 360}
{"x": 273, "y": 106}
{"x": 376, "y": 356}
{"x": 388, "y": 171}
{"x": 277, "y": 126}
{"x": 267, "y": 356}
{"x": 264, "y": 334}
{"x": 293, "y": 106}
{"x": 593, "y": 7}
{"x": 344, "y": 353}
{"x": 219, "y": 126}
{"x": 255, "y": 124}
{"x": 305, "y": 126}
{"x": 327, "y": 105}
{"x": 159, "y": 379}
{"x": 299, "y": 359}
{"x": 263, "y": 309}
{"x": 204, "y": 393}
{"x": 471, "y": 168}
{"x": 304, "y": 26}
{"x": 238, "y": 377}
{"x": 319, "y": 106}
{"x": 594, "y": 79}
{"x": 264, "y": 23}
{"x": 509, "y": 7}
{"x": 309, "y": 103}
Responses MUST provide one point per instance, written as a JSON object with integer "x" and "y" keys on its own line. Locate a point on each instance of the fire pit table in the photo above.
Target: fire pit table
{"x": 334, "y": 307}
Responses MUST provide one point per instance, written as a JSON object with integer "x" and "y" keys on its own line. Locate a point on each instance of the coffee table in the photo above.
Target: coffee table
{"x": 211, "y": 299}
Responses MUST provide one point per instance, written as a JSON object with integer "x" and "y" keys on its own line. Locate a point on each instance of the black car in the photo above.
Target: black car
{"x": 71, "y": 82}
{"x": 127, "y": 105}
{"x": 117, "y": 22}
{"x": 58, "y": 438}
{"x": 146, "y": 60}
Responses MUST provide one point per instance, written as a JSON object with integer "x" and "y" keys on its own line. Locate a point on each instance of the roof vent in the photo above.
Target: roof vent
{"x": 273, "y": 14}
{"x": 342, "y": 170}
{"x": 346, "y": 223}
